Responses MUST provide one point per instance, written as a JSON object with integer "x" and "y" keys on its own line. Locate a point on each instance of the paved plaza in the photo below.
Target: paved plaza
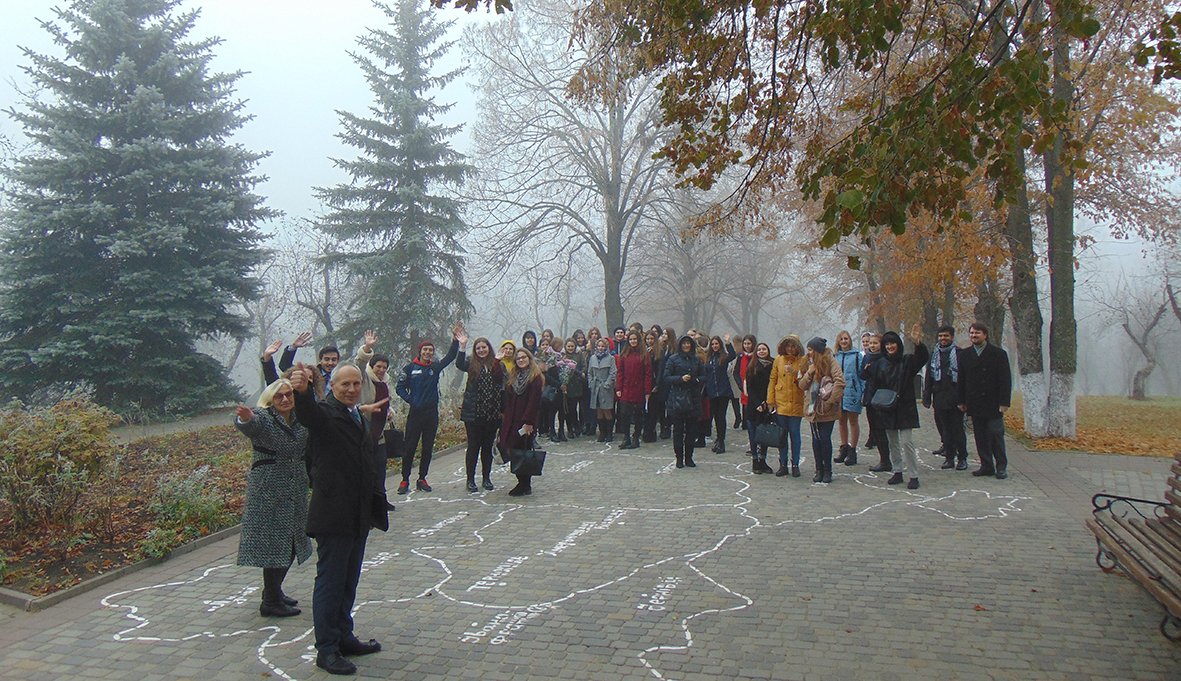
{"x": 620, "y": 566}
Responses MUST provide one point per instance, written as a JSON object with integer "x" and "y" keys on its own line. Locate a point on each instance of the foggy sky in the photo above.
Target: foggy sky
{"x": 298, "y": 74}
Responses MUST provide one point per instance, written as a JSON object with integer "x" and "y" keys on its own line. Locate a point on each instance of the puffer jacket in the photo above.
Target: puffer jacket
{"x": 850, "y": 363}
{"x": 684, "y": 397}
{"x": 783, "y": 393}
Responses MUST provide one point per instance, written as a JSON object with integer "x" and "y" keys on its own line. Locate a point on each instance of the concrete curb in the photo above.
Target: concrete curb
{"x": 29, "y": 603}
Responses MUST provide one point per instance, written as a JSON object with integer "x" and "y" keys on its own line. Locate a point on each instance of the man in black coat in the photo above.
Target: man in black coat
{"x": 986, "y": 386}
{"x": 941, "y": 391}
{"x": 346, "y": 502}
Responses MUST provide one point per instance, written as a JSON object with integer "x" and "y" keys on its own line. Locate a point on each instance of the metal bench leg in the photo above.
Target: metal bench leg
{"x": 1170, "y": 627}
{"x": 1102, "y": 554}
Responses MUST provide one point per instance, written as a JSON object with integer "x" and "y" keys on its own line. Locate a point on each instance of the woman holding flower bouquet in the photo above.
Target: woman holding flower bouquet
{"x": 633, "y": 384}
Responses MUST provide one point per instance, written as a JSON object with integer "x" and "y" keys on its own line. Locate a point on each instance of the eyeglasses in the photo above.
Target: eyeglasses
{"x": 283, "y": 396}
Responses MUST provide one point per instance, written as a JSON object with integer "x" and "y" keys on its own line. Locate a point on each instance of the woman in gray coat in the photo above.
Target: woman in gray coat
{"x": 600, "y": 378}
{"x": 276, "y": 495}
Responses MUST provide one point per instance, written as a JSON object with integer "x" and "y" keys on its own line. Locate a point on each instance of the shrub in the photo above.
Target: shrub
{"x": 186, "y": 505}
{"x": 47, "y": 458}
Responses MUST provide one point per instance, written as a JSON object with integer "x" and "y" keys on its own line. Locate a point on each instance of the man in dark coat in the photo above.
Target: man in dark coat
{"x": 941, "y": 391}
{"x": 985, "y": 389}
{"x": 346, "y": 502}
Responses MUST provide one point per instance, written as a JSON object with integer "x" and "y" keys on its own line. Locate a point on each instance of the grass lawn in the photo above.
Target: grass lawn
{"x": 1111, "y": 424}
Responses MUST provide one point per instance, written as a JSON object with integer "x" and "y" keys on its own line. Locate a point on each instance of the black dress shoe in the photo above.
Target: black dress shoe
{"x": 1001, "y": 475}
{"x": 881, "y": 469}
{"x": 334, "y": 663}
{"x": 357, "y": 647}
{"x": 279, "y": 609}
{"x": 947, "y": 464}
{"x": 981, "y": 472}
{"x": 961, "y": 465}
{"x": 471, "y": 486}
{"x": 895, "y": 479}
{"x": 488, "y": 485}
{"x": 795, "y": 471}
{"x": 783, "y": 472}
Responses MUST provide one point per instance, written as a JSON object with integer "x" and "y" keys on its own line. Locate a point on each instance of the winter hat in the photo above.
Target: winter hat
{"x": 817, "y": 344}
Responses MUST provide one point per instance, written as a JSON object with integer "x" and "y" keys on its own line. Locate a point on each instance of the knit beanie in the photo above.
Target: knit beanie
{"x": 817, "y": 344}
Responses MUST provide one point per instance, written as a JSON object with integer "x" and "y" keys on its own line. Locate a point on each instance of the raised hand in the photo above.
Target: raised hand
{"x": 726, "y": 338}
{"x": 301, "y": 377}
{"x": 373, "y": 407}
{"x": 271, "y": 350}
{"x": 916, "y": 334}
{"x": 302, "y": 340}
{"x": 461, "y": 337}
{"x": 456, "y": 329}
{"x": 245, "y": 414}
{"x": 370, "y": 339}
{"x": 500, "y": 353}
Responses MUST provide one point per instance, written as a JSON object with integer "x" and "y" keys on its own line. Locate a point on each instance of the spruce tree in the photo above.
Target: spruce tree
{"x": 130, "y": 228}
{"x": 396, "y": 229}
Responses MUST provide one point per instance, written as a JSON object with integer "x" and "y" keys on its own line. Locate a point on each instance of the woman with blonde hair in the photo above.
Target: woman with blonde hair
{"x": 849, "y": 359}
{"x": 521, "y": 409}
{"x": 786, "y": 400}
{"x": 824, "y": 384}
{"x": 274, "y": 522}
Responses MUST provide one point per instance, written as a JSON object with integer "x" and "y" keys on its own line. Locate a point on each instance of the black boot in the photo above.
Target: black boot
{"x": 851, "y": 457}
{"x": 272, "y": 595}
{"x": 637, "y": 431}
{"x": 721, "y": 446}
{"x": 680, "y": 460}
{"x": 819, "y": 473}
{"x": 610, "y": 430}
{"x": 627, "y": 441}
{"x": 827, "y": 477}
{"x": 689, "y": 459}
{"x": 754, "y": 465}
{"x": 602, "y": 430}
{"x": 844, "y": 453}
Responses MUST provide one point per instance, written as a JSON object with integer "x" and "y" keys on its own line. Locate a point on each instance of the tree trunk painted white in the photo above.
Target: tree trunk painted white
{"x": 1035, "y": 404}
{"x": 1061, "y": 417}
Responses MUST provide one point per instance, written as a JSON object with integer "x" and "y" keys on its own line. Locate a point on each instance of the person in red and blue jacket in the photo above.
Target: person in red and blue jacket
{"x": 418, "y": 386}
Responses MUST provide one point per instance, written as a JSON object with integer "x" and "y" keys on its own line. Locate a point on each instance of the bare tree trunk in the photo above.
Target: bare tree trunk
{"x": 990, "y": 309}
{"x": 1023, "y": 302}
{"x": 1140, "y": 379}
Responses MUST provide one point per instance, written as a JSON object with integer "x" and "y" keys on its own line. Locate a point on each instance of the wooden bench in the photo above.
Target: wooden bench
{"x": 1142, "y": 538}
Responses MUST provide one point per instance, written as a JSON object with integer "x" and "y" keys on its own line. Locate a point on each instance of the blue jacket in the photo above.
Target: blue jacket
{"x": 716, "y": 379}
{"x": 850, "y": 363}
{"x": 418, "y": 384}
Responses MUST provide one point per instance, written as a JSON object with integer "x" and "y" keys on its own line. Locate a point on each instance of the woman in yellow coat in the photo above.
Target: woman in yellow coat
{"x": 786, "y": 400}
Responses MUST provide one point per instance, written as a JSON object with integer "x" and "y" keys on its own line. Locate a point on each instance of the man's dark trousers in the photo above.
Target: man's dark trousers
{"x": 338, "y": 569}
{"x": 989, "y": 432}
{"x": 951, "y": 430}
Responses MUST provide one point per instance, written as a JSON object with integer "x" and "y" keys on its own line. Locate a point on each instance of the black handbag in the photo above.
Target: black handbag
{"x": 550, "y": 394}
{"x": 526, "y": 461}
{"x": 769, "y": 435}
{"x": 395, "y": 441}
{"x": 884, "y": 398}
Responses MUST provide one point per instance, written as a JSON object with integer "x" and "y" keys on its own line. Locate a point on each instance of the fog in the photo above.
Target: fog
{"x": 298, "y": 73}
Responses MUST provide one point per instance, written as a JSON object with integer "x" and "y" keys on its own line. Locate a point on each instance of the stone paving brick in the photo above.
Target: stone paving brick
{"x": 624, "y": 567}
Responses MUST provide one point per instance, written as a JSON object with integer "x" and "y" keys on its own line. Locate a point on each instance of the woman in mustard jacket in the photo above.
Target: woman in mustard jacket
{"x": 786, "y": 400}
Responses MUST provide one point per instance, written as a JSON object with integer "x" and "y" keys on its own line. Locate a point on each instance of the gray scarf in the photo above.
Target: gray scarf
{"x": 520, "y": 382}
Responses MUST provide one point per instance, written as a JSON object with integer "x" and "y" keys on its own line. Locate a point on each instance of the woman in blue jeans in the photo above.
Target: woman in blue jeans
{"x": 786, "y": 400}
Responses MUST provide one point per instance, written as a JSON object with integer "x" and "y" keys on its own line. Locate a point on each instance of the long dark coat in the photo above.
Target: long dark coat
{"x": 897, "y": 372}
{"x": 986, "y": 382}
{"x": 519, "y": 410}
{"x": 276, "y": 493}
{"x": 345, "y": 478}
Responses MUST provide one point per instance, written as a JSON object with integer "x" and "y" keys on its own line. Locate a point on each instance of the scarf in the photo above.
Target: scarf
{"x": 602, "y": 354}
{"x": 953, "y": 364}
{"x": 520, "y": 382}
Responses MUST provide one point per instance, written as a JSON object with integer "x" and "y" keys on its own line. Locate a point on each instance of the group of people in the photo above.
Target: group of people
{"x": 326, "y": 426}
